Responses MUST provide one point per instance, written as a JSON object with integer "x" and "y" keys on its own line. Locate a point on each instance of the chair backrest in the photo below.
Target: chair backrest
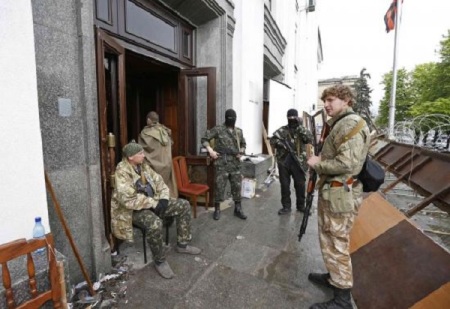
{"x": 17, "y": 248}
{"x": 181, "y": 171}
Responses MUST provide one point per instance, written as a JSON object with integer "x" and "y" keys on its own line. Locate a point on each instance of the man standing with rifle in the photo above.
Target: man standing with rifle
{"x": 290, "y": 143}
{"x": 229, "y": 146}
{"x": 340, "y": 194}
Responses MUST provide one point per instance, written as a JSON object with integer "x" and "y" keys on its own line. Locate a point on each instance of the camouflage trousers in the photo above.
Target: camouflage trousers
{"x": 179, "y": 209}
{"x": 334, "y": 237}
{"x": 231, "y": 172}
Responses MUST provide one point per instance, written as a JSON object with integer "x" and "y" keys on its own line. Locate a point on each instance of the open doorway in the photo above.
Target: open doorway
{"x": 129, "y": 86}
{"x": 151, "y": 86}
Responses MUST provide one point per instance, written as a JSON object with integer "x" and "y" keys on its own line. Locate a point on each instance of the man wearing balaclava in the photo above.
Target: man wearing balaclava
{"x": 156, "y": 140}
{"x": 229, "y": 146}
{"x": 297, "y": 137}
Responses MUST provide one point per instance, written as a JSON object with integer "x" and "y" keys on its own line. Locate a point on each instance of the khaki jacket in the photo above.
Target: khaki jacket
{"x": 341, "y": 160}
{"x": 157, "y": 143}
{"x": 125, "y": 199}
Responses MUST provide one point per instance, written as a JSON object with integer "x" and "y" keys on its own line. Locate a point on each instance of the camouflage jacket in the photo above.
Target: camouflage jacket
{"x": 298, "y": 138}
{"x": 231, "y": 141}
{"x": 125, "y": 199}
{"x": 343, "y": 159}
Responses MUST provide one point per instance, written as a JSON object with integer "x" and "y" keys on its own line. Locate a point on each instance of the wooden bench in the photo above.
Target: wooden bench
{"x": 17, "y": 248}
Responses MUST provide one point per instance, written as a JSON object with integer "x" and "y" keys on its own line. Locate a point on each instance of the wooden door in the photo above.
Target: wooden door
{"x": 197, "y": 112}
{"x": 112, "y": 115}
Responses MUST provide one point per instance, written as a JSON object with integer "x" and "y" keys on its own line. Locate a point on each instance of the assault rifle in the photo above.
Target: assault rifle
{"x": 289, "y": 147}
{"x": 143, "y": 186}
{"x": 317, "y": 144}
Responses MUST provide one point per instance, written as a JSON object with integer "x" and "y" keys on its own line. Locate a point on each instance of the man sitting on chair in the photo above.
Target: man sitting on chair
{"x": 140, "y": 196}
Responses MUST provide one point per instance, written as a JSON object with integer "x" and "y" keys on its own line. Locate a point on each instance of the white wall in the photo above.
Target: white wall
{"x": 22, "y": 185}
{"x": 307, "y": 44}
{"x": 248, "y": 58}
{"x": 281, "y": 99}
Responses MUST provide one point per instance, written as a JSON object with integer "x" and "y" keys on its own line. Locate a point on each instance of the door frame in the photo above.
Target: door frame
{"x": 105, "y": 43}
{"x": 183, "y": 110}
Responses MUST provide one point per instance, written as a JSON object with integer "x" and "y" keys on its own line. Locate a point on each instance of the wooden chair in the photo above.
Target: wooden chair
{"x": 14, "y": 249}
{"x": 186, "y": 187}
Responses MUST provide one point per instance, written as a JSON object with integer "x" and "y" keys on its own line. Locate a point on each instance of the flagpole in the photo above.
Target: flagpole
{"x": 394, "y": 71}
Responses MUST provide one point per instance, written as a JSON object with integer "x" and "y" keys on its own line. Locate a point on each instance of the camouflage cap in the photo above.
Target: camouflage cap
{"x": 131, "y": 149}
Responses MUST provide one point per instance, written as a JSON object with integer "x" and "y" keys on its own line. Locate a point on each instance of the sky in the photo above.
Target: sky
{"x": 354, "y": 36}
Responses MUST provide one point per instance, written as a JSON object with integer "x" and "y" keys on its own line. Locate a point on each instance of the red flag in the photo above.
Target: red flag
{"x": 389, "y": 17}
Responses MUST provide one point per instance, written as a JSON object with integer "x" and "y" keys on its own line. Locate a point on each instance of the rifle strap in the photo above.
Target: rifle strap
{"x": 352, "y": 133}
{"x": 297, "y": 143}
{"x": 238, "y": 140}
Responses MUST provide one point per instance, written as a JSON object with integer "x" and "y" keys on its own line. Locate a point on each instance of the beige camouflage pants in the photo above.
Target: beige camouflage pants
{"x": 334, "y": 237}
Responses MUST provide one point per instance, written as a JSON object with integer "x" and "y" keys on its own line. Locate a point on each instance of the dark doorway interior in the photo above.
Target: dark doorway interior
{"x": 151, "y": 86}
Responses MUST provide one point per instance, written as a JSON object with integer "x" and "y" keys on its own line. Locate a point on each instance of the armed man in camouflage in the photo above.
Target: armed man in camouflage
{"x": 340, "y": 193}
{"x": 229, "y": 146}
{"x": 140, "y": 196}
{"x": 292, "y": 137}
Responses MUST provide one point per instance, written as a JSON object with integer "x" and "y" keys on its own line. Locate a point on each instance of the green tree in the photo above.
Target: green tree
{"x": 404, "y": 97}
{"x": 425, "y": 82}
{"x": 443, "y": 68}
{"x": 440, "y": 106}
{"x": 363, "y": 100}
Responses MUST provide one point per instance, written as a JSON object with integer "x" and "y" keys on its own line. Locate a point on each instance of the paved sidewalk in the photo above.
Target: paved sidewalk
{"x": 257, "y": 263}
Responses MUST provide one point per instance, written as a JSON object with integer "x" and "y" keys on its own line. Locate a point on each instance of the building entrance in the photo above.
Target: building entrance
{"x": 130, "y": 85}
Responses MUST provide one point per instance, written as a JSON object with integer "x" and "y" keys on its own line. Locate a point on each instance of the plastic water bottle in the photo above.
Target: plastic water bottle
{"x": 38, "y": 232}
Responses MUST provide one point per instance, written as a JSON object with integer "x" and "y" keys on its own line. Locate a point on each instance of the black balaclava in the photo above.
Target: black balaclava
{"x": 292, "y": 122}
{"x": 230, "y": 118}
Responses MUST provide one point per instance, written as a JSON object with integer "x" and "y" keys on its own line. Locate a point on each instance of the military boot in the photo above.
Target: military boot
{"x": 216, "y": 215}
{"x": 320, "y": 279}
{"x": 341, "y": 300}
{"x": 238, "y": 212}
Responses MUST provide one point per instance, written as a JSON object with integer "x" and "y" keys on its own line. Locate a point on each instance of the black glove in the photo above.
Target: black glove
{"x": 161, "y": 208}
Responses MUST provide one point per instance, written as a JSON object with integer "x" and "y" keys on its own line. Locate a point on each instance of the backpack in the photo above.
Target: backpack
{"x": 372, "y": 174}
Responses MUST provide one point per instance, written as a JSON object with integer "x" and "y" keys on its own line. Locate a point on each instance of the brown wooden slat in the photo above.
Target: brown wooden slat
{"x": 428, "y": 180}
{"x": 375, "y": 217}
{"x": 398, "y": 269}
{"x": 7, "y": 285}
{"x": 439, "y": 299}
{"x": 31, "y": 276}
{"x": 14, "y": 249}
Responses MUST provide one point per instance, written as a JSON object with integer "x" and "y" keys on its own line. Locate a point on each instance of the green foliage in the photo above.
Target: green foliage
{"x": 425, "y": 82}
{"x": 425, "y": 90}
{"x": 363, "y": 100}
{"x": 440, "y": 106}
{"x": 443, "y": 68}
{"x": 404, "y": 97}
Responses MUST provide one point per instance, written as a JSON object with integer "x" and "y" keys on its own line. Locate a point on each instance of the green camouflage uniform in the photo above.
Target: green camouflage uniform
{"x": 298, "y": 138}
{"x": 128, "y": 206}
{"x": 337, "y": 208}
{"x": 228, "y": 143}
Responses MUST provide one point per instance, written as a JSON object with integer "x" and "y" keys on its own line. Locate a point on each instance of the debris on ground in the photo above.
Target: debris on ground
{"x": 111, "y": 288}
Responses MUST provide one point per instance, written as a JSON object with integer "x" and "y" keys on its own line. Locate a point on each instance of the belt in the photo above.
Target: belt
{"x": 341, "y": 184}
